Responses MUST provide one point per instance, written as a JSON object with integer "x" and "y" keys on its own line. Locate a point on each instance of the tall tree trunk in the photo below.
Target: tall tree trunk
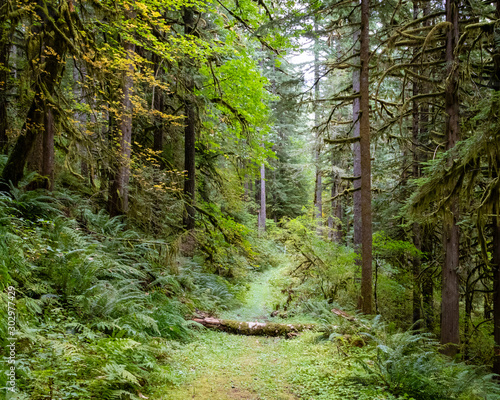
{"x": 450, "y": 335}
{"x": 417, "y": 231}
{"x": 189, "y": 133}
{"x": 190, "y": 157}
{"x": 495, "y": 242}
{"x": 318, "y": 188}
{"x": 356, "y": 198}
{"x": 118, "y": 196}
{"x": 426, "y": 230}
{"x": 364, "y": 144}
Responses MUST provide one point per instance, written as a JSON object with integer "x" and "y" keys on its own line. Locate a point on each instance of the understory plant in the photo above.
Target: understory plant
{"x": 99, "y": 302}
{"x": 408, "y": 363}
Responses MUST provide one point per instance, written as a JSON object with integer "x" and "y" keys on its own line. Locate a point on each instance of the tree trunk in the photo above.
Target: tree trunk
{"x": 364, "y": 144}
{"x": 356, "y": 197}
{"x": 427, "y": 283}
{"x": 426, "y": 231}
{"x": 158, "y": 103}
{"x": 450, "y": 335}
{"x": 48, "y": 149}
{"x": 495, "y": 242}
{"x": 339, "y": 214}
{"x": 189, "y": 133}
{"x": 118, "y": 196}
{"x": 262, "y": 211}
{"x": 331, "y": 223}
{"x": 417, "y": 231}
{"x": 496, "y": 288}
{"x": 79, "y": 95}
{"x": 318, "y": 187}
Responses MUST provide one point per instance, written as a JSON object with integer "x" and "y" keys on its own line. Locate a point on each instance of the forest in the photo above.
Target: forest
{"x": 250, "y": 199}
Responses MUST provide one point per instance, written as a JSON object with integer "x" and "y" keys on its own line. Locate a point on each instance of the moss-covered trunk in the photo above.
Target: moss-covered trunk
{"x": 253, "y": 328}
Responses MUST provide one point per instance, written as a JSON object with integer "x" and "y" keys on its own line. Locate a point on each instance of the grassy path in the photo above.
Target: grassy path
{"x": 220, "y": 366}
{"x": 233, "y": 367}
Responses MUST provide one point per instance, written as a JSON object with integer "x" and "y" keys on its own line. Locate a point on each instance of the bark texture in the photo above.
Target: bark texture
{"x": 364, "y": 144}
{"x": 356, "y": 197}
{"x": 189, "y": 134}
{"x": 450, "y": 337}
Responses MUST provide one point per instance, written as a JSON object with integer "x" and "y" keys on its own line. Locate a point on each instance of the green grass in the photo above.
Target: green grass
{"x": 220, "y": 366}
{"x": 264, "y": 293}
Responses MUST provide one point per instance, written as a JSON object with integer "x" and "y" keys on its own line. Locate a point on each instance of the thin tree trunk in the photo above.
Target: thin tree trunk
{"x": 450, "y": 335}
{"x": 189, "y": 158}
{"x": 262, "y": 211}
{"x": 339, "y": 214}
{"x": 48, "y": 149}
{"x": 364, "y": 144}
{"x": 417, "y": 231}
{"x": 189, "y": 133}
{"x": 496, "y": 288}
{"x": 331, "y": 223}
{"x": 318, "y": 188}
{"x": 158, "y": 103}
{"x": 118, "y": 197}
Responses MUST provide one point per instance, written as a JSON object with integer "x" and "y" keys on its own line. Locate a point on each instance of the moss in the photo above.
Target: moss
{"x": 261, "y": 328}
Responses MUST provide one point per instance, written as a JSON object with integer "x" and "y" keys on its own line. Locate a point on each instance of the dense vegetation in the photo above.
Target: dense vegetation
{"x": 165, "y": 159}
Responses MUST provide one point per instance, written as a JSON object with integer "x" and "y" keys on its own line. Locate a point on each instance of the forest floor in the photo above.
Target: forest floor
{"x": 221, "y": 366}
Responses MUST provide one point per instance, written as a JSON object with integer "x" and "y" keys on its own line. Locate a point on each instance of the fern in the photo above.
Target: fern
{"x": 409, "y": 363}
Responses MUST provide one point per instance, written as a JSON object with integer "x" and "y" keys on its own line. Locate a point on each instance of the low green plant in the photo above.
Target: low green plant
{"x": 409, "y": 363}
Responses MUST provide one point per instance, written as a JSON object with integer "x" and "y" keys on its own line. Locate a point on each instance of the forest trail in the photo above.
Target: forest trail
{"x": 220, "y": 366}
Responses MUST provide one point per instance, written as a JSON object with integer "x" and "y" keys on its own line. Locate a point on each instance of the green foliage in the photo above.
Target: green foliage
{"x": 321, "y": 268}
{"x": 409, "y": 363}
{"x": 95, "y": 298}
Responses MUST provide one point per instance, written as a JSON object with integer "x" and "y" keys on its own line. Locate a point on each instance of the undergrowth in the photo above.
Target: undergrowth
{"x": 98, "y": 302}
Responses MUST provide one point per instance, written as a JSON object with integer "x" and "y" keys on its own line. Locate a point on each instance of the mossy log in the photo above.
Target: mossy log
{"x": 253, "y": 328}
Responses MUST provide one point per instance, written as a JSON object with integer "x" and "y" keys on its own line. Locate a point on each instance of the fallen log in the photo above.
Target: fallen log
{"x": 253, "y": 328}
